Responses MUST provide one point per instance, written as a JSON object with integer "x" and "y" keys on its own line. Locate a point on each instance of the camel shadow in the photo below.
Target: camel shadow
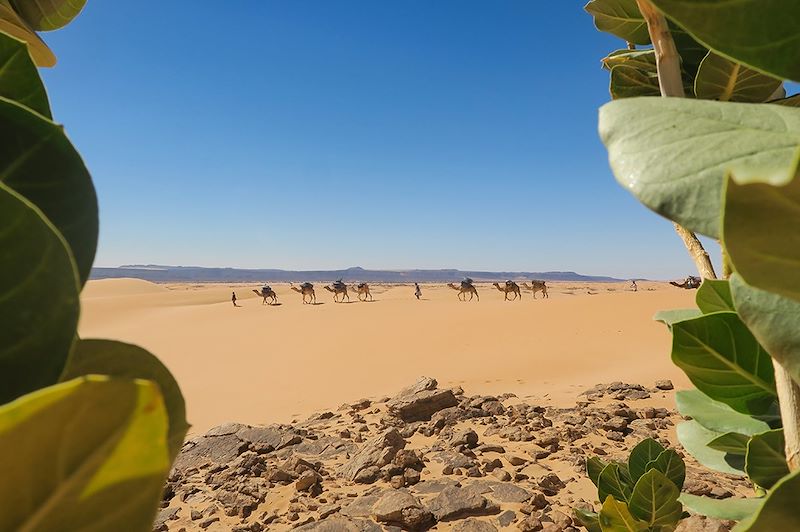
{"x": 275, "y": 304}
{"x": 315, "y": 304}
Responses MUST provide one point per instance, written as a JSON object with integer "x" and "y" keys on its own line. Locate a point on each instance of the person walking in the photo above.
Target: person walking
{"x": 417, "y": 291}
{"x": 233, "y": 299}
{"x": 633, "y": 286}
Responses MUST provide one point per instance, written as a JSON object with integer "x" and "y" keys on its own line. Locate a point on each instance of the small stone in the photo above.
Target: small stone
{"x": 664, "y": 384}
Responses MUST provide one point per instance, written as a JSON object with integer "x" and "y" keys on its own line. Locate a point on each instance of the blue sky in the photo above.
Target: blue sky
{"x": 306, "y": 134}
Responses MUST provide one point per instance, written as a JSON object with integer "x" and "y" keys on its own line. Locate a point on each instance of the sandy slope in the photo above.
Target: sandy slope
{"x": 261, "y": 364}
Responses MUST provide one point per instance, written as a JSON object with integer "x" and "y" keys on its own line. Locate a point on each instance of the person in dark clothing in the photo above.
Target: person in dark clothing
{"x": 417, "y": 291}
{"x": 233, "y": 299}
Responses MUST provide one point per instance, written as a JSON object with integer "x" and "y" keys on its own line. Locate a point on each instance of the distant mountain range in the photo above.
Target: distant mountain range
{"x": 161, "y": 274}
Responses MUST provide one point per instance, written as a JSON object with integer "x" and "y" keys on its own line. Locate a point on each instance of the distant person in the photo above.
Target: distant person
{"x": 417, "y": 291}
{"x": 633, "y": 286}
{"x": 233, "y": 299}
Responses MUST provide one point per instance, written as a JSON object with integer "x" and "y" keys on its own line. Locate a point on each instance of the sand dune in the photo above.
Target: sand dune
{"x": 262, "y": 364}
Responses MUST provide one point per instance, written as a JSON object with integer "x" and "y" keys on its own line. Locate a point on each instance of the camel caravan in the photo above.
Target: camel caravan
{"x": 341, "y": 292}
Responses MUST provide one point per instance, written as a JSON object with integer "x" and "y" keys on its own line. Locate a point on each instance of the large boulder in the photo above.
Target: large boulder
{"x": 455, "y": 503}
{"x": 341, "y": 524}
{"x": 400, "y": 508}
{"x": 420, "y": 401}
{"x": 377, "y": 452}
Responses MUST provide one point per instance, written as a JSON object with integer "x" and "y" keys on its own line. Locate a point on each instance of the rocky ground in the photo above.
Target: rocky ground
{"x": 427, "y": 458}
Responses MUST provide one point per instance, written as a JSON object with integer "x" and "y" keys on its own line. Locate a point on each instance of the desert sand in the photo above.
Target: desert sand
{"x": 265, "y": 364}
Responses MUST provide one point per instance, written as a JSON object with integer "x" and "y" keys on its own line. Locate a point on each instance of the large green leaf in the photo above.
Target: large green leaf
{"x": 615, "y": 517}
{"x": 642, "y": 454}
{"x": 19, "y": 79}
{"x": 629, "y": 82}
{"x": 12, "y": 24}
{"x": 759, "y": 33}
{"x": 727, "y": 509}
{"x": 38, "y": 161}
{"x": 621, "y": 18}
{"x": 612, "y": 482}
{"x": 773, "y": 319}
{"x": 640, "y": 59}
{"x": 765, "y": 463}
{"x": 117, "y": 359}
{"x": 655, "y": 500}
{"x": 695, "y": 439}
{"x": 761, "y": 232}
{"x": 717, "y": 416}
{"x": 590, "y": 520}
{"x": 49, "y": 15}
{"x": 723, "y": 359}
{"x": 673, "y": 153}
{"x": 88, "y": 454}
{"x": 727, "y": 81}
{"x": 668, "y": 317}
{"x": 595, "y": 466}
{"x": 779, "y": 510}
{"x": 731, "y": 442}
{"x": 671, "y": 465}
{"x": 38, "y": 298}
{"x": 714, "y": 295}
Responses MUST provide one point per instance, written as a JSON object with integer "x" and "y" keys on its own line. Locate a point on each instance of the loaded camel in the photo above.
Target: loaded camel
{"x": 306, "y": 289}
{"x": 338, "y": 288}
{"x": 465, "y": 288}
{"x": 536, "y": 286}
{"x": 267, "y": 293}
{"x": 363, "y": 289}
{"x": 690, "y": 283}
{"x": 510, "y": 287}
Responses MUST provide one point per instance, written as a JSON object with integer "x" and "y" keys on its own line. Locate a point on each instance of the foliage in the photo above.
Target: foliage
{"x": 718, "y": 165}
{"x": 641, "y": 494}
{"x": 89, "y": 428}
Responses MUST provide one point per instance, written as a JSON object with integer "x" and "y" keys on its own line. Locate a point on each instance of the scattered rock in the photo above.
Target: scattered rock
{"x": 665, "y": 384}
{"x": 400, "y": 508}
{"x": 376, "y": 453}
{"x": 420, "y": 401}
{"x": 454, "y": 503}
{"x": 474, "y": 525}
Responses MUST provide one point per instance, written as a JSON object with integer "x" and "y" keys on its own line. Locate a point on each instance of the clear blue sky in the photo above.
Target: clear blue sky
{"x": 307, "y": 134}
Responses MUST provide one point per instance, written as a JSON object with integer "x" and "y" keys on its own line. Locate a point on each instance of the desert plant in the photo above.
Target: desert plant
{"x": 718, "y": 155}
{"x": 640, "y": 494}
{"x": 88, "y": 428}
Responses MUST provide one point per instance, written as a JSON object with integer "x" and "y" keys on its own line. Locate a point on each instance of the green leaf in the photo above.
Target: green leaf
{"x": 88, "y": 454}
{"x": 613, "y": 483}
{"x": 773, "y": 320}
{"x": 765, "y": 463}
{"x": 621, "y": 18}
{"x": 643, "y": 136}
{"x": 640, "y": 59}
{"x": 615, "y": 517}
{"x": 779, "y": 510}
{"x": 762, "y": 234}
{"x": 39, "y": 162}
{"x": 714, "y": 295}
{"x": 595, "y": 466}
{"x": 725, "y": 509}
{"x": 668, "y": 317}
{"x": 695, "y": 439}
{"x": 762, "y": 35}
{"x": 38, "y": 298}
{"x": 590, "y": 520}
{"x": 642, "y": 454}
{"x": 724, "y": 80}
{"x": 50, "y": 15}
{"x": 117, "y": 359}
{"x": 629, "y": 82}
{"x": 791, "y": 101}
{"x": 731, "y": 442}
{"x": 13, "y": 25}
{"x": 723, "y": 359}
{"x": 671, "y": 465}
{"x": 19, "y": 79}
{"x": 718, "y": 416}
{"x": 655, "y": 500}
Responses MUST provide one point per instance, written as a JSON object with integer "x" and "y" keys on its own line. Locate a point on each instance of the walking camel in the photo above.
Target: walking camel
{"x": 363, "y": 289}
{"x": 267, "y": 293}
{"x": 338, "y": 288}
{"x": 690, "y": 283}
{"x": 510, "y": 287}
{"x": 536, "y": 286}
{"x": 465, "y": 288}
{"x": 306, "y": 289}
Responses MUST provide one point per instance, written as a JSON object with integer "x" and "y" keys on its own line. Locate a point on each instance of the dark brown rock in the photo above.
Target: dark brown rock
{"x": 420, "y": 401}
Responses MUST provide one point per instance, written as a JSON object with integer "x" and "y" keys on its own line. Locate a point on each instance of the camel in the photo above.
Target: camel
{"x": 267, "y": 293}
{"x": 363, "y": 289}
{"x": 465, "y": 288}
{"x": 338, "y": 288}
{"x": 510, "y": 287}
{"x": 690, "y": 283}
{"x": 536, "y": 286}
{"x": 306, "y": 289}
